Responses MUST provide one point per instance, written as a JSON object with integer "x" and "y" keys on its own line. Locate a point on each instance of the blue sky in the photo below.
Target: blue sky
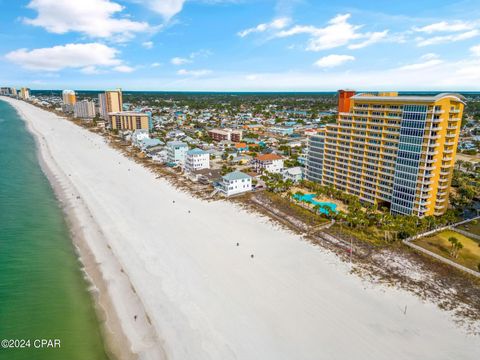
{"x": 240, "y": 45}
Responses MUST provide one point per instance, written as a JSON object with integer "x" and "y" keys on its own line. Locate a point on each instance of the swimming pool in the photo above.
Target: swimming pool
{"x": 310, "y": 198}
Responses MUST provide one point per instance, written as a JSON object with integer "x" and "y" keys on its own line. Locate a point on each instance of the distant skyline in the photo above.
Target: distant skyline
{"x": 240, "y": 45}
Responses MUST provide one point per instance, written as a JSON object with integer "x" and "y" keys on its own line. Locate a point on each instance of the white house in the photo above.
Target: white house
{"x": 139, "y": 135}
{"x": 294, "y": 174}
{"x": 176, "y": 151}
{"x": 197, "y": 159}
{"x": 234, "y": 183}
{"x": 272, "y": 163}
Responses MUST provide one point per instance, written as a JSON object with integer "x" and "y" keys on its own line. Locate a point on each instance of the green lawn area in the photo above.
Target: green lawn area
{"x": 469, "y": 256}
{"x": 472, "y": 227}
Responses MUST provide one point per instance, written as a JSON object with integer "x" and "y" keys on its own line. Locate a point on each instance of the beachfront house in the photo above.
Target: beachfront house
{"x": 272, "y": 163}
{"x": 139, "y": 135}
{"x": 197, "y": 159}
{"x": 294, "y": 174}
{"x": 234, "y": 183}
{"x": 176, "y": 152}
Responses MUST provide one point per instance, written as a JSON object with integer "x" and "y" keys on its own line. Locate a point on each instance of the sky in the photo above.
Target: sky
{"x": 240, "y": 45}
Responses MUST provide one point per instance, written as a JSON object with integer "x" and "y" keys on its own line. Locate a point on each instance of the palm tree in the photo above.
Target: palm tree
{"x": 459, "y": 164}
{"x": 456, "y": 246}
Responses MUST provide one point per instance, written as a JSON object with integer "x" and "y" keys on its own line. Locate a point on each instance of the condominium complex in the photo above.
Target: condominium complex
{"x": 8, "y": 91}
{"x": 110, "y": 101}
{"x": 225, "y": 134}
{"x": 395, "y": 151}
{"x": 84, "y": 109}
{"x": 69, "y": 97}
{"x": 129, "y": 120}
{"x": 25, "y": 93}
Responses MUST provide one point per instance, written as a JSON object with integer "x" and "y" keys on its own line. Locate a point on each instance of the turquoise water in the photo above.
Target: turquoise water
{"x": 311, "y": 200}
{"x": 43, "y": 294}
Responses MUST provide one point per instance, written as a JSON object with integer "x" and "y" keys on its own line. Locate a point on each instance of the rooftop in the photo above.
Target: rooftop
{"x": 126, "y": 113}
{"x": 236, "y": 175}
{"x": 176, "y": 143}
{"x": 268, "y": 157}
{"x": 197, "y": 151}
{"x": 420, "y": 98}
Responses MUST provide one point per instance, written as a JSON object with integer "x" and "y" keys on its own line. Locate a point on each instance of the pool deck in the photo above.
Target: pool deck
{"x": 322, "y": 198}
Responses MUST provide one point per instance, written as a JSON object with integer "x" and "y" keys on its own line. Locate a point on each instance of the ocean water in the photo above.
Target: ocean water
{"x": 43, "y": 294}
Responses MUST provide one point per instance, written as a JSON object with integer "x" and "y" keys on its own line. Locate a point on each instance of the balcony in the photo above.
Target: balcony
{"x": 455, "y": 111}
{"x": 439, "y": 207}
{"x": 435, "y": 111}
{"x": 454, "y": 119}
{"x": 447, "y": 159}
{"x": 426, "y": 167}
{"x": 450, "y": 136}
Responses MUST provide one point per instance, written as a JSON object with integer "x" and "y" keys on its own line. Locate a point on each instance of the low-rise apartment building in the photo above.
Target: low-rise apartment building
{"x": 225, "y": 134}
{"x": 130, "y": 120}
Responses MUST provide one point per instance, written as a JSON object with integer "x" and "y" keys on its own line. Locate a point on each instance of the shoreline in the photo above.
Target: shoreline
{"x": 207, "y": 298}
{"x": 116, "y": 342}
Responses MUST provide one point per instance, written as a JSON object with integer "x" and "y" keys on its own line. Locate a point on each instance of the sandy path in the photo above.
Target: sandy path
{"x": 206, "y": 297}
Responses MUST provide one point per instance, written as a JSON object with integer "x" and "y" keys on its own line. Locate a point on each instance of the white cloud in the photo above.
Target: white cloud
{"x": 447, "y": 38}
{"x": 156, "y": 64}
{"x": 475, "y": 50}
{"x": 83, "y": 56}
{"x": 90, "y": 70}
{"x": 463, "y": 75}
{"x": 372, "y": 38}
{"x": 194, "y": 73}
{"x": 333, "y": 60}
{"x": 427, "y": 61}
{"x": 188, "y": 60}
{"x": 180, "y": 61}
{"x": 94, "y": 18}
{"x": 147, "y": 44}
{"x": 338, "y": 32}
{"x": 444, "y": 26}
{"x": 166, "y": 8}
{"x": 275, "y": 24}
{"x": 124, "y": 69}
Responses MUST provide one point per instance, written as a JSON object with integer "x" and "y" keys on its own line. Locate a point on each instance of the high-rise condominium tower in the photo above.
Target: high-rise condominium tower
{"x": 69, "y": 97}
{"x": 396, "y": 151}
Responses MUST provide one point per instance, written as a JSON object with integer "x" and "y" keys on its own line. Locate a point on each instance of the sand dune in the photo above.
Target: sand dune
{"x": 205, "y": 296}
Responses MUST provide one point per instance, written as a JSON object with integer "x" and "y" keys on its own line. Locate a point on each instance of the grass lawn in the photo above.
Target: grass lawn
{"x": 469, "y": 256}
{"x": 472, "y": 227}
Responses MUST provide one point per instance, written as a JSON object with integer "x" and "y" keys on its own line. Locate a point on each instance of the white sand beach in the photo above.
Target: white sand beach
{"x": 205, "y": 296}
